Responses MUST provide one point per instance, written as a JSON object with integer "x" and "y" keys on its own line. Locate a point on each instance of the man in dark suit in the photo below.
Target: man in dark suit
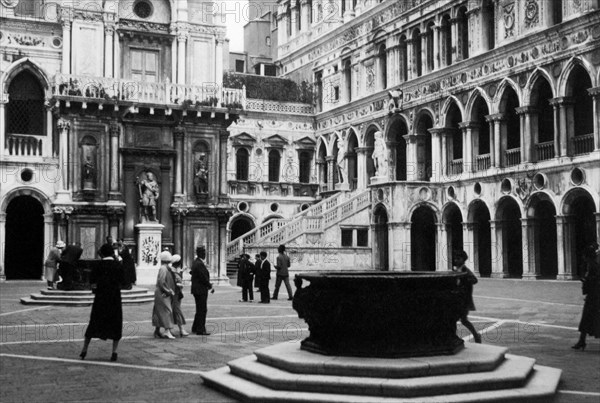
{"x": 265, "y": 276}
{"x": 200, "y": 286}
{"x": 68, "y": 264}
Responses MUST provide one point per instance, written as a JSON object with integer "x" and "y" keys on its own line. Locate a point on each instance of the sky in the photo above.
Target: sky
{"x": 235, "y": 18}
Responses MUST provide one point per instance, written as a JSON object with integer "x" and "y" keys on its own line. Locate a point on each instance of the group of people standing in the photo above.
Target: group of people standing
{"x": 168, "y": 294}
{"x": 259, "y": 272}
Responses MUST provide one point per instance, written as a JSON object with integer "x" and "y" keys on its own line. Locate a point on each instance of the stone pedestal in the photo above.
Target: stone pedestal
{"x": 149, "y": 246}
{"x": 379, "y": 179}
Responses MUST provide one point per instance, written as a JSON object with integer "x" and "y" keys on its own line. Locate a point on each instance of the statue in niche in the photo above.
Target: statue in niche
{"x": 88, "y": 173}
{"x": 149, "y": 191}
{"x": 380, "y": 155}
{"x": 341, "y": 156}
{"x": 201, "y": 174}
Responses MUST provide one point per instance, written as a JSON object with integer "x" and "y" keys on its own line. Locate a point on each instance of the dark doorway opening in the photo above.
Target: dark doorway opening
{"x": 24, "y": 252}
{"x": 240, "y": 226}
{"x": 545, "y": 228}
{"x": 422, "y": 240}
{"x": 512, "y": 246}
{"x": 585, "y": 229}
{"x": 483, "y": 239}
{"x": 381, "y": 240}
{"x": 454, "y": 231}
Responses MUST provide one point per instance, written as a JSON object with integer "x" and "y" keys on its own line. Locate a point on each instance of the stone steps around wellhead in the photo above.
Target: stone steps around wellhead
{"x": 540, "y": 387}
{"x": 474, "y": 358}
{"x": 477, "y": 373}
{"x": 512, "y": 373}
{"x": 136, "y": 295}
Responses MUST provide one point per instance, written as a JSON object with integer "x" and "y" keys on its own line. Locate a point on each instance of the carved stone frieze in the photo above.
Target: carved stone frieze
{"x": 26, "y": 40}
{"x": 143, "y": 26}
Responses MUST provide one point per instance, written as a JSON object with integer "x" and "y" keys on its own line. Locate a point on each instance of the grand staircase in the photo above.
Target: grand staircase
{"x": 314, "y": 220}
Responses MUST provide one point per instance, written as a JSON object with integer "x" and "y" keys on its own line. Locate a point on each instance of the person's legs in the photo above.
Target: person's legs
{"x": 581, "y": 342}
{"x": 86, "y": 343}
{"x": 286, "y": 280}
{"x": 250, "y": 291}
{"x": 113, "y": 357}
{"x": 466, "y": 323}
{"x": 278, "y": 280}
{"x": 195, "y": 328}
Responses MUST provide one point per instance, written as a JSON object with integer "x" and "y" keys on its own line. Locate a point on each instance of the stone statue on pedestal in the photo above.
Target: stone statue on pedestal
{"x": 201, "y": 175}
{"x": 380, "y": 155}
{"x": 341, "y": 156}
{"x": 149, "y": 191}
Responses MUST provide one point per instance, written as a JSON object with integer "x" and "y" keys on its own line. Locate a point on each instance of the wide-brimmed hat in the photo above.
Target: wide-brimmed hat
{"x": 165, "y": 256}
{"x": 60, "y": 244}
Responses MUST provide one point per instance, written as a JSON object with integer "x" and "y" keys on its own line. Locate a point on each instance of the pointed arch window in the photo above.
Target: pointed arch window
{"x": 25, "y": 108}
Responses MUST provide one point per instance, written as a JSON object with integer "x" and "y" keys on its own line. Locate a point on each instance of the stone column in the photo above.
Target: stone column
{"x": 530, "y": 271}
{"x": 437, "y": 134}
{"x": 444, "y": 252}
{"x": 114, "y": 215}
{"x": 109, "y": 30}
{"x": 117, "y": 55}
{"x": 221, "y": 168}
{"x": 178, "y": 215}
{"x": 361, "y": 163}
{"x": 498, "y": 270}
{"x": 174, "y": 57}
{"x": 65, "y": 18}
{"x": 565, "y": 235}
{"x": 330, "y": 173}
{"x": 178, "y": 136}
{"x": 469, "y": 244}
{"x": 436, "y": 47}
{"x": 182, "y": 37}
{"x": 64, "y": 127}
{"x": 425, "y": 65}
{"x": 563, "y": 134}
{"x": 321, "y": 173}
{"x": 392, "y": 159}
{"x": 525, "y": 113}
{"x": 412, "y": 169}
{"x": 444, "y": 153}
{"x": 306, "y": 12}
{"x": 2, "y": 236}
{"x": 456, "y": 56}
{"x": 410, "y": 57}
{"x": 467, "y": 140}
{"x": 114, "y": 189}
{"x": 595, "y": 94}
{"x": 496, "y": 138}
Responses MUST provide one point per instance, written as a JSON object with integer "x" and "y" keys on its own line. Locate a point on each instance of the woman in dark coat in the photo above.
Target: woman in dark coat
{"x": 590, "y": 318}
{"x": 106, "y": 320}
{"x": 128, "y": 266}
{"x": 459, "y": 259}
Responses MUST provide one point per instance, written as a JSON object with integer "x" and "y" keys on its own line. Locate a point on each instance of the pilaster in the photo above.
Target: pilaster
{"x": 595, "y": 94}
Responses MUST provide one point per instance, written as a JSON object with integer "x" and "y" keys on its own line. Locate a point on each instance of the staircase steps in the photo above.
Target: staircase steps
{"x": 477, "y": 373}
{"x": 85, "y": 297}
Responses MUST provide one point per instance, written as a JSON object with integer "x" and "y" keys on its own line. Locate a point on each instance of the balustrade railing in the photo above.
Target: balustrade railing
{"x": 513, "y": 156}
{"x": 455, "y": 167}
{"x": 316, "y": 218}
{"x": 545, "y": 151}
{"x": 483, "y": 161}
{"x": 583, "y": 144}
{"x": 166, "y": 93}
{"x": 24, "y": 145}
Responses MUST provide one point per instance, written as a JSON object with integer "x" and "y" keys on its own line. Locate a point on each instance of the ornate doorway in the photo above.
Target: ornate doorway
{"x": 24, "y": 251}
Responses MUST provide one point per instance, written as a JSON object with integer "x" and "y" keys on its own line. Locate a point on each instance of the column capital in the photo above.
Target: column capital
{"x": 437, "y": 131}
{"x": 63, "y": 125}
{"x": 109, "y": 29}
{"x": 594, "y": 92}
{"x": 497, "y": 117}
{"x": 475, "y": 10}
{"x": 362, "y": 150}
{"x": 330, "y": 158}
{"x": 469, "y": 125}
{"x": 527, "y": 109}
{"x": 561, "y": 101}
{"x": 114, "y": 129}
{"x": 66, "y": 17}
{"x": 178, "y": 132}
{"x": 410, "y": 138}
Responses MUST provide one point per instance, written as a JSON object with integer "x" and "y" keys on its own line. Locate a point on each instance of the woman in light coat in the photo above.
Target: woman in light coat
{"x": 162, "y": 314}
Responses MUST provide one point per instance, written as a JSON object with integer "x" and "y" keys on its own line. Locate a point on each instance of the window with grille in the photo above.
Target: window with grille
{"x": 241, "y": 164}
{"x": 239, "y": 66}
{"x": 25, "y": 108}
{"x": 347, "y": 237}
{"x": 362, "y": 237}
{"x": 274, "y": 165}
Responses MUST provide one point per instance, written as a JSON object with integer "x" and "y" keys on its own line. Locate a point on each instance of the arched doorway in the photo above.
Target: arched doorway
{"x": 481, "y": 135}
{"x": 452, "y": 219}
{"x": 396, "y": 133}
{"x": 240, "y": 226}
{"x": 582, "y": 112}
{"x": 544, "y": 232}
{"x": 509, "y": 216}
{"x": 510, "y": 128}
{"x": 24, "y": 252}
{"x": 480, "y": 217}
{"x": 380, "y": 238}
{"x": 424, "y": 147}
{"x": 579, "y": 210}
{"x": 422, "y": 239}
{"x": 541, "y": 94}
